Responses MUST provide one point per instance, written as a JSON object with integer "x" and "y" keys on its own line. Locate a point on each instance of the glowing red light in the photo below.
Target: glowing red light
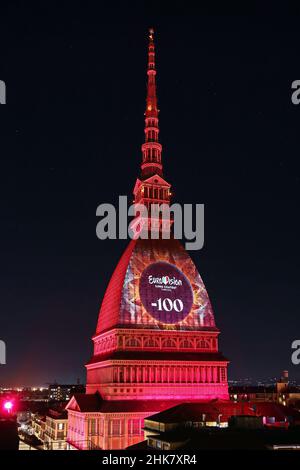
{"x": 8, "y": 406}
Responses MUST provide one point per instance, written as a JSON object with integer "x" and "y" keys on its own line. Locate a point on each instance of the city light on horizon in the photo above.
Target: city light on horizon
{"x": 8, "y": 406}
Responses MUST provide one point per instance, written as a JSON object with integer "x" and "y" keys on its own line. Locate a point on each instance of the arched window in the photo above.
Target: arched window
{"x": 186, "y": 344}
{"x": 169, "y": 343}
{"x": 203, "y": 344}
{"x": 133, "y": 343}
{"x": 150, "y": 343}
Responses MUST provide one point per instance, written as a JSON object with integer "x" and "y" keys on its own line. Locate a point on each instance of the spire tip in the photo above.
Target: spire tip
{"x": 151, "y": 32}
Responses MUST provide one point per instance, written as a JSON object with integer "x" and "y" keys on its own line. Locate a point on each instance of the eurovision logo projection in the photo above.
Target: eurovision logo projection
{"x": 162, "y": 288}
{"x": 165, "y": 292}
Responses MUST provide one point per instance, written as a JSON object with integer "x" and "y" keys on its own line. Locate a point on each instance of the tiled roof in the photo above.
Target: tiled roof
{"x": 94, "y": 403}
{"x": 193, "y": 411}
{"x": 57, "y": 414}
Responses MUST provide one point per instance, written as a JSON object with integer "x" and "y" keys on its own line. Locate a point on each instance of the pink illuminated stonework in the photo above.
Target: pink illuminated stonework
{"x": 156, "y": 342}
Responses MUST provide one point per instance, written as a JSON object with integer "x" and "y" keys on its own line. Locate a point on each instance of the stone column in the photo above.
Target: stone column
{"x": 209, "y": 371}
{"x": 106, "y": 430}
{"x": 203, "y": 373}
{"x": 215, "y": 374}
{"x": 86, "y": 433}
{"x": 143, "y": 374}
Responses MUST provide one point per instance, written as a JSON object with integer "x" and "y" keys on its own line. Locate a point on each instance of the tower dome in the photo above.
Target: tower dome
{"x": 158, "y": 272}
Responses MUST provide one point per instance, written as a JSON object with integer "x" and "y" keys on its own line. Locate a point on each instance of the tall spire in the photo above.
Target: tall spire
{"x": 151, "y": 188}
{"x": 151, "y": 149}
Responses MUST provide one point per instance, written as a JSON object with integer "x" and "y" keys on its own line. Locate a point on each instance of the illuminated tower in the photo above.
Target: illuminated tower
{"x": 156, "y": 342}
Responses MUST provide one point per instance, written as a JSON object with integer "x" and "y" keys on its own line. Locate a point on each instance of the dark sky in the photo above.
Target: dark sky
{"x": 70, "y": 139}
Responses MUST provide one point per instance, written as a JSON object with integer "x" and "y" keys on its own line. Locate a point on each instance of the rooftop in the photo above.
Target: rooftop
{"x": 94, "y": 403}
{"x": 222, "y": 410}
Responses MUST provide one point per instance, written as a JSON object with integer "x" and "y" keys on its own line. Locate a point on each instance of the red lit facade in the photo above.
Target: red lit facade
{"x": 156, "y": 342}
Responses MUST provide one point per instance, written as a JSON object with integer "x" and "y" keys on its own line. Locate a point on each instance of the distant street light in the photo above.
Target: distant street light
{"x": 8, "y": 406}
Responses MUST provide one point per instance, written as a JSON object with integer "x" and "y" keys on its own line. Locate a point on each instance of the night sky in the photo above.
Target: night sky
{"x": 70, "y": 139}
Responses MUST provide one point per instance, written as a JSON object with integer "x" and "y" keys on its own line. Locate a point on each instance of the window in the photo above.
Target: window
{"x": 151, "y": 443}
{"x": 92, "y": 427}
{"x": 150, "y": 343}
{"x": 169, "y": 343}
{"x": 60, "y": 426}
{"x": 134, "y": 427}
{"x": 223, "y": 374}
{"x": 203, "y": 344}
{"x": 101, "y": 426}
{"x": 133, "y": 342}
{"x": 186, "y": 344}
{"x": 116, "y": 427}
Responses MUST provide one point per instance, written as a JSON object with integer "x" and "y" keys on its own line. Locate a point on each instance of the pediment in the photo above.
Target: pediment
{"x": 158, "y": 180}
{"x": 73, "y": 405}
